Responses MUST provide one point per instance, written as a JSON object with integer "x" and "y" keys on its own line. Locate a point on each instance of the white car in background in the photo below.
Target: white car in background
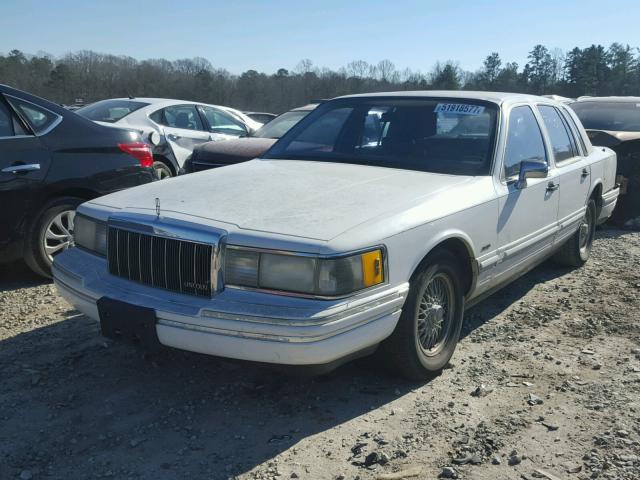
{"x": 172, "y": 127}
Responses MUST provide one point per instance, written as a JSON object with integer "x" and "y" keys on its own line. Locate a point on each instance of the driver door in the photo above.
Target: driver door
{"x": 183, "y": 130}
{"x": 528, "y": 214}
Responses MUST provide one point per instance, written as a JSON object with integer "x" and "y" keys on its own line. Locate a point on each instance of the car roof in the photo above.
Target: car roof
{"x": 493, "y": 97}
{"x": 610, "y": 99}
{"x": 163, "y": 102}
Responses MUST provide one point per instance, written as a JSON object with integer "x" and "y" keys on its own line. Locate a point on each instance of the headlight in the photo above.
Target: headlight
{"x": 90, "y": 234}
{"x": 321, "y": 276}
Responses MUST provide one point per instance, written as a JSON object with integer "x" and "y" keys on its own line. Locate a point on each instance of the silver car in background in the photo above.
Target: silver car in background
{"x": 172, "y": 127}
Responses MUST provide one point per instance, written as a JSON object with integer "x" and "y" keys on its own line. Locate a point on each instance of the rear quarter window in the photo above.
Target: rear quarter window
{"x": 39, "y": 119}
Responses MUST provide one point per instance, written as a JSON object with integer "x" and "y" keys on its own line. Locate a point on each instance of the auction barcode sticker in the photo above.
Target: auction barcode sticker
{"x": 459, "y": 108}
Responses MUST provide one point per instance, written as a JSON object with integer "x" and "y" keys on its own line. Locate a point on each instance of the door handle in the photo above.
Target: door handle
{"x": 174, "y": 137}
{"x": 23, "y": 168}
{"x": 585, "y": 173}
{"x": 551, "y": 186}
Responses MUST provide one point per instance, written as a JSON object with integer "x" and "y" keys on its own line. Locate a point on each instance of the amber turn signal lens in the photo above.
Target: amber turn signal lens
{"x": 372, "y": 273}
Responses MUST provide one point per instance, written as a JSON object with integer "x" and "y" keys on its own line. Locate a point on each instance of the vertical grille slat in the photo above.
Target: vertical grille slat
{"x": 177, "y": 265}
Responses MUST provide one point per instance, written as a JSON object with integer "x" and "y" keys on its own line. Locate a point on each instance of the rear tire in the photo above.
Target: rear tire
{"x": 50, "y": 233}
{"x": 576, "y": 251}
{"x": 429, "y": 327}
{"x": 162, "y": 170}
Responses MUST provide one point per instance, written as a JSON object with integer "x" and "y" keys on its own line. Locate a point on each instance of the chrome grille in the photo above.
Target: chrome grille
{"x": 177, "y": 265}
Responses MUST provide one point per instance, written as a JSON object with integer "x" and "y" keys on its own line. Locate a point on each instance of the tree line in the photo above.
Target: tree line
{"x": 91, "y": 76}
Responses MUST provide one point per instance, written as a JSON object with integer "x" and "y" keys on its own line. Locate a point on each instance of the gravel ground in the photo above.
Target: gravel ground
{"x": 544, "y": 384}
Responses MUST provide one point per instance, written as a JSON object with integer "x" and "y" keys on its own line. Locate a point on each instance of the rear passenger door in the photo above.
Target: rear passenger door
{"x": 24, "y": 161}
{"x": 183, "y": 129}
{"x": 572, "y": 167}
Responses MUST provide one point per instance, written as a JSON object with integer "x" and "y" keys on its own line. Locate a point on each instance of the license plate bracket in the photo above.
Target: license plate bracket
{"x": 128, "y": 323}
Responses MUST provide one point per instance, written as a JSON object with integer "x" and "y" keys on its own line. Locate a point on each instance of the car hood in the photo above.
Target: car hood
{"x": 231, "y": 151}
{"x": 314, "y": 200}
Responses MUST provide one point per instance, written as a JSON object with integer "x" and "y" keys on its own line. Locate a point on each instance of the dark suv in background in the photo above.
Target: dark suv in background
{"x": 614, "y": 122}
{"x": 51, "y": 160}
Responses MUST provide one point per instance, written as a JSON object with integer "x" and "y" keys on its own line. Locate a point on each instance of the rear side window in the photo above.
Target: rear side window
{"x": 178, "y": 116}
{"x": 40, "y": 119}
{"x": 569, "y": 119}
{"x": 524, "y": 141}
{"x": 561, "y": 140}
{"x": 110, "y": 111}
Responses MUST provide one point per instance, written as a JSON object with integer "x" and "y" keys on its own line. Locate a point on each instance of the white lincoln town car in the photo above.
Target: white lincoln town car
{"x": 371, "y": 224}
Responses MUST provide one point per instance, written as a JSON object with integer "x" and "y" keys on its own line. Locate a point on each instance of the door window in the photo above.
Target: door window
{"x": 6, "y": 122}
{"x": 524, "y": 141}
{"x": 561, "y": 140}
{"x": 179, "y": 116}
{"x": 40, "y": 119}
{"x": 222, "y": 122}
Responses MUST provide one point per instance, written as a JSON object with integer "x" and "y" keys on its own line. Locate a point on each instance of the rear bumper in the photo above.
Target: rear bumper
{"x": 609, "y": 201}
{"x": 240, "y": 324}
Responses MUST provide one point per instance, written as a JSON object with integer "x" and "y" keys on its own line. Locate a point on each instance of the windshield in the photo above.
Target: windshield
{"x": 614, "y": 116}
{"x": 452, "y": 136}
{"x": 277, "y": 127}
{"x": 110, "y": 110}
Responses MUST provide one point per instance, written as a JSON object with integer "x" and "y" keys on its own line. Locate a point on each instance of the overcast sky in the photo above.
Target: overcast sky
{"x": 240, "y": 35}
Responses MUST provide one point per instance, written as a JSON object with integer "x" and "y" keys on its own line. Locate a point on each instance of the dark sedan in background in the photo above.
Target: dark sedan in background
{"x": 51, "y": 160}
{"x": 218, "y": 154}
{"x": 614, "y": 122}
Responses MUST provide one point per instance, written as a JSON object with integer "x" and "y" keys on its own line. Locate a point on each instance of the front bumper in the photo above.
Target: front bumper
{"x": 240, "y": 324}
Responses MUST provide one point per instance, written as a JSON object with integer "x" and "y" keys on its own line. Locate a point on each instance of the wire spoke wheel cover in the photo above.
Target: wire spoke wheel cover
{"x": 58, "y": 234}
{"x": 435, "y": 313}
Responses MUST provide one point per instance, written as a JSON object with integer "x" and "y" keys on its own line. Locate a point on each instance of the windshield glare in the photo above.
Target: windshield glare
{"x": 613, "y": 116}
{"x": 277, "y": 127}
{"x": 453, "y": 136}
{"x": 110, "y": 110}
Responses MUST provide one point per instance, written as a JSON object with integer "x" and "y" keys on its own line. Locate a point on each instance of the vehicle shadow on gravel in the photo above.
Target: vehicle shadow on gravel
{"x": 18, "y": 275}
{"x": 119, "y": 413}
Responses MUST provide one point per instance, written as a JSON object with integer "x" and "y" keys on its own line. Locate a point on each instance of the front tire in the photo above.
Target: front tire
{"x": 51, "y": 233}
{"x": 576, "y": 251}
{"x": 429, "y": 327}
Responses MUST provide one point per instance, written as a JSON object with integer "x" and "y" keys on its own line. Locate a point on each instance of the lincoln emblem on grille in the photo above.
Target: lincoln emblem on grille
{"x": 157, "y": 207}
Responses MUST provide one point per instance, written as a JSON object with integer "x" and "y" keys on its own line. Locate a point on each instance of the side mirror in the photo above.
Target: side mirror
{"x": 529, "y": 169}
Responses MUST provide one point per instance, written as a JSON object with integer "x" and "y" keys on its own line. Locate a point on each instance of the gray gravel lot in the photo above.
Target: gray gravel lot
{"x": 544, "y": 384}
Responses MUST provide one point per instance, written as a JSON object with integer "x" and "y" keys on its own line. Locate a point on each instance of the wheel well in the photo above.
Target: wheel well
{"x": 597, "y": 197}
{"x": 83, "y": 193}
{"x": 166, "y": 161}
{"x": 462, "y": 252}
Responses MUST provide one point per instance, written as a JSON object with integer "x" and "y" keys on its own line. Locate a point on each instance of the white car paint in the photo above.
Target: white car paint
{"x": 326, "y": 208}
